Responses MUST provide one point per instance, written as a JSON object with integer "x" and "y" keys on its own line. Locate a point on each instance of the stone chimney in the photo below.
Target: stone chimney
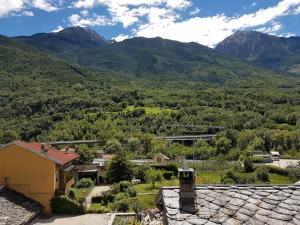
{"x": 187, "y": 189}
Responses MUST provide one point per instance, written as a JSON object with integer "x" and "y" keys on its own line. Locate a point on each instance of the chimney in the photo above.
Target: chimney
{"x": 44, "y": 149}
{"x": 187, "y": 189}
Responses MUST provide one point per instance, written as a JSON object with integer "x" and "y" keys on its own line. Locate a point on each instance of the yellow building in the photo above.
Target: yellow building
{"x": 36, "y": 170}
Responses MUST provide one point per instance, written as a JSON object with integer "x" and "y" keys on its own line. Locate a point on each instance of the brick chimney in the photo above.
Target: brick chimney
{"x": 44, "y": 149}
{"x": 187, "y": 189}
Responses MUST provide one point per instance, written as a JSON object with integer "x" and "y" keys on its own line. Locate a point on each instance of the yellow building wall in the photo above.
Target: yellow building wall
{"x": 28, "y": 173}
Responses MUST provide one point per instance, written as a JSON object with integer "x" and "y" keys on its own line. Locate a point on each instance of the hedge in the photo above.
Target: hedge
{"x": 64, "y": 205}
{"x": 277, "y": 170}
{"x": 97, "y": 199}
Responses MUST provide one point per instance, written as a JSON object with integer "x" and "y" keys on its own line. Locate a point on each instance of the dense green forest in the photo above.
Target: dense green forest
{"x": 45, "y": 99}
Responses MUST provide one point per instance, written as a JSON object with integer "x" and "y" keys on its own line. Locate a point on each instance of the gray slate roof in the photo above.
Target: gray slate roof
{"x": 16, "y": 209}
{"x": 233, "y": 205}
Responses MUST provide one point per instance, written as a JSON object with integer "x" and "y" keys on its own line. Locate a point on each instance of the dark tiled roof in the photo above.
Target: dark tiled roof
{"x": 233, "y": 205}
{"x": 16, "y": 209}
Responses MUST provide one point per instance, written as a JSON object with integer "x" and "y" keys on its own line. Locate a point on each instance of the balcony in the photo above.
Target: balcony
{"x": 66, "y": 179}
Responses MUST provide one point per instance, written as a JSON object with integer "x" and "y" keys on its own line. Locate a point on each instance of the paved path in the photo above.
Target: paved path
{"x": 88, "y": 219}
{"x": 283, "y": 163}
{"x": 97, "y": 190}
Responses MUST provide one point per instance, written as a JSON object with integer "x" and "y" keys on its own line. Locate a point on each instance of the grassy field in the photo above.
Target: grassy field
{"x": 149, "y": 110}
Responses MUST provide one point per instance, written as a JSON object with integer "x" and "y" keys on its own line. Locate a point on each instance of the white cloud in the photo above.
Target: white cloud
{"x": 77, "y": 20}
{"x": 297, "y": 10}
{"x": 121, "y": 37}
{"x": 8, "y": 6}
{"x": 275, "y": 26}
{"x": 211, "y": 30}
{"x": 28, "y": 13}
{"x": 84, "y": 12}
{"x": 44, "y": 5}
{"x": 57, "y": 29}
{"x": 84, "y": 4}
{"x": 195, "y": 11}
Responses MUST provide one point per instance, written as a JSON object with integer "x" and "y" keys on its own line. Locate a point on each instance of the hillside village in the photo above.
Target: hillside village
{"x": 149, "y": 112}
{"x": 39, "y": 181}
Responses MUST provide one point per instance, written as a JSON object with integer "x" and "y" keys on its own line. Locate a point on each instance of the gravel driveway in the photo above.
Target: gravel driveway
{"x": 88, "y": 219}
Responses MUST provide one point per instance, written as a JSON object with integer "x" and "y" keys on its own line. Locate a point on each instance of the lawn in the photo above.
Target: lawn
{"x": 82, "y": 192}
{"x": 274, "y": 178}
{"x": 147, "y": 188}
{"x": 146, "y": 201}
{"x": 149, "y": 110}
{"x": 208, "y": 178}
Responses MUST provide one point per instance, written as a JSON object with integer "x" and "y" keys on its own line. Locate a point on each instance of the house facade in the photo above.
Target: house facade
{"x": 36, "y": 170}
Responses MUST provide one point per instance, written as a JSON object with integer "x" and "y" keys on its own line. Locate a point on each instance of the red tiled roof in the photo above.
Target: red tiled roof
{"x": 52, "y": 154}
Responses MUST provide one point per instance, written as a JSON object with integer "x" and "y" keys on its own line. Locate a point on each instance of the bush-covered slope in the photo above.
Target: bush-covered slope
{"x": 44, "y": 98}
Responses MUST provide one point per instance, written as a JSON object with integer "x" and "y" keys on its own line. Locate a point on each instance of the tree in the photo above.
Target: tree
{"x": 87, "y": 154}
{"x": 223, "y": 145}
{"x": 119, "y": 169}
{"x": 154, "y": 176}
{"x": 9, "y": 136}
{"x": 248, "y": 165}
{"x": 113, "y": 146}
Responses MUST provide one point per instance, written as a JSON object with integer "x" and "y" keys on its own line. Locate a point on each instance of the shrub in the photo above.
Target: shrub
{"x": 84, "y": 183}
{"x": 96, "y": 208}
{"x": 64, "y": 205}
{"x": 277, "y": 170}
{"x": 107, "y": 197}
{"x": 168, "y": 175}
{"x": 261, "y": 173}
{"x": 72, "y": 194}
{"x": 131, "y": 192}
{"x": 124, "y": 185}
{"x": 121, "y": 206}
{"x": 97, "y": 199}
{"x": 230, "y": 177}
{"x": 248, "y": 165}
{"x": 172, "y": 167}
{"x": 140, "y": 173}
{"x": 115, "y": 188}
{"x": 294, "y": 172}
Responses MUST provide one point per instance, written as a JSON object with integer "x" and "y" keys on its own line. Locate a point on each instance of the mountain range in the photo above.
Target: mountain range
{"x": 267, "y": 51}
{"x": 152, "y": 56}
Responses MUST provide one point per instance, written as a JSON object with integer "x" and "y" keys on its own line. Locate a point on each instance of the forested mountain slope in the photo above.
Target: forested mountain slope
{"x": 44, "y": 98}
{"x": 277, "y": 53}
{"x": 144, "y": 57}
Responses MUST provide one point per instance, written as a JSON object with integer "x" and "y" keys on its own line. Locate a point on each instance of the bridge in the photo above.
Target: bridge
{"x": 205, "y": 137}
{"x": 188, "y": 138}
{"x": 77, "y": 142}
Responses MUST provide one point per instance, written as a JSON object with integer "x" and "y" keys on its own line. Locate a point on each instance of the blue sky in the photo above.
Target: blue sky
{"x": 204, "y": 21}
